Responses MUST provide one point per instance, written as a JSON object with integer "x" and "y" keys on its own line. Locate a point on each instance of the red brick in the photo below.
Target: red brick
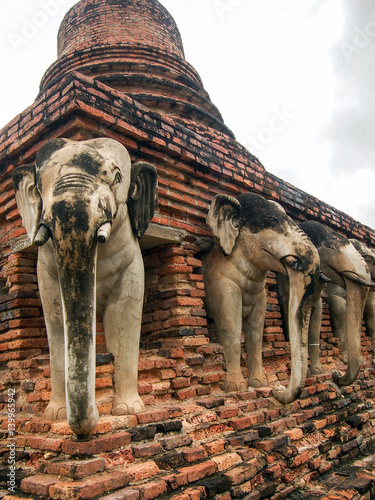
{"x": 97, "y": 445}
{"x": 46, "y": 444}
{"x": 185, "y": 394}
{"x": 37, "y": 485}
{"x": 315, "y": 463}
{"x": 146, "y": 450}
{"x": 141, "y": 471}
{"x": 227, "y": 412}
{"x": 227, "y": 461}
{"x": 188, "y": 475}
{"x": 180, "y": 383}
{"x": 271, "y": 444}
{"x": 152, "y": 490}
{"x": 170, "y": 443}
{"x": 119, "y": 457}
{"x": 273, "y": 472}
{"x": 194, "y": 454}
{"x": 294, "y": 434}
{"x": 125, "y": 494}
{"x": 246, "y": 471}
{"x": 215, "y": 447}
{"x": 300, "y": 459}
{"x": 152, "y": 416}
{"x": 241, "y": 423}
{"x": 191, "y": 494}
{"x": 91, "y": 488}
{"x": 73, "y": 468}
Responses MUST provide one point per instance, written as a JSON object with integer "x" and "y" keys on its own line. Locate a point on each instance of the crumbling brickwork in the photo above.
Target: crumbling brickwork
{"x": 193, "y": 441}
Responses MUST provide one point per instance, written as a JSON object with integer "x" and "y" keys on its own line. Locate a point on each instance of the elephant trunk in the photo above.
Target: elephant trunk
{"x": 77, "y": 278}
{"x": 76, "y": 230}
{"x": 355, "y": 303}
{"x": 299, "y": 311}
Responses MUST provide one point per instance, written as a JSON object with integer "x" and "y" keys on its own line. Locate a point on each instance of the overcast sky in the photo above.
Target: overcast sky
{"x": 293, "y": 79}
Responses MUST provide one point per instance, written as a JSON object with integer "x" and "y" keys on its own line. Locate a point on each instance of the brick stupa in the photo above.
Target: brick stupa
{"x": 121, "y": 73}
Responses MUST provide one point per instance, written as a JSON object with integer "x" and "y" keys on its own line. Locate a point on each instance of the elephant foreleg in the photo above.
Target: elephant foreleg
{"x": 122, "y": 326}
{"x": 225, "y": 306}
{"x": 337, "y": 310}
{"x": 254, "y": 325}
{"x": 50, "y": 295}
{"x": 314, "y": 339}
{"x": 369, "y": 317}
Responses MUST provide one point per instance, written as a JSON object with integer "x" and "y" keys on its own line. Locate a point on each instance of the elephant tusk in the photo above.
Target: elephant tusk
{"x": 42, "y": 236}
{"x": 354, "y": 277}
{"x": 104, "y": 232}
{"x": 324, "y": 278}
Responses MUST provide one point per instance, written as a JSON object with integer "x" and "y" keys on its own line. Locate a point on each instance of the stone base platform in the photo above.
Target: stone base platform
{"x": 242, "y": 445}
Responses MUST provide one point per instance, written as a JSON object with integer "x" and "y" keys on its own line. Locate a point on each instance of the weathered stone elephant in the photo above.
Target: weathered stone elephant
{"x": 337, "y": 302}
{"x": 344, "y": 269}
{"x": 79, "y": 194}
{"x": 369, "y": 312}
{"x": 252, "y": 236}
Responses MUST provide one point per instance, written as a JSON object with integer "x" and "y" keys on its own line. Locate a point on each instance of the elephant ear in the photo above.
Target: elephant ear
{"x": 143, "y": 196}
{"x": 278, "y": 206}
{"x": 223, "y": 219}
{"x": 28, "y": 199}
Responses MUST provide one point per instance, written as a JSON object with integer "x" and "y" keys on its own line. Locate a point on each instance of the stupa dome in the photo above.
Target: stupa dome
{"x": 95, "y": 23}
{"x": 134, "y": 46}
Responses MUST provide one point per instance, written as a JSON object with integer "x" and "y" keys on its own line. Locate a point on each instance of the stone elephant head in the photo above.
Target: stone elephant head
{"x": 254, "y": 236}
{"x": 369, "y": 312}
{"x": 86, "y": 206}
{"x": 344, "y": 269}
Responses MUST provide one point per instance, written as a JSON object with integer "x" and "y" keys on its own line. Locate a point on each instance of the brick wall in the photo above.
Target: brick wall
{"x": 242, "y": 442}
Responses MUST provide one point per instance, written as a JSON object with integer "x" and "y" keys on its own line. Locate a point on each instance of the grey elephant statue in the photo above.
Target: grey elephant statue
{"x": 86, "y": 206}
{"x": 253, "y": 236}
{"x": 369, "y": 312}
{"x": 345, "y": 271}
{"x": 337, "y": 302}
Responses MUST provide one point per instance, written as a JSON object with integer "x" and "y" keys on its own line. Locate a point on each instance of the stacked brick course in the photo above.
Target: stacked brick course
{"x": 227, "y": 446}
{"x": 194, "y": 441}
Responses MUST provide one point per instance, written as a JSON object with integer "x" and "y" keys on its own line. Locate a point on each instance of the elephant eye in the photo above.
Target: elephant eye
{"x": 331, "y": 245}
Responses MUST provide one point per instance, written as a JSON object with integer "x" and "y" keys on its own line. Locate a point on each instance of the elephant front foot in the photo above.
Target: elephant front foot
{"x": 316, "y": 369}
{"x": 285, "y": 394}
{"x": 235, "y": 383}
{"x": 128, "y": 406}
{"x": 55, "y": 411}
{"x": 258, "y": 382}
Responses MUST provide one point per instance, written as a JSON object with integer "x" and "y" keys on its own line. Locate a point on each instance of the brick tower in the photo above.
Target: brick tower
{"x": 121, "y": 73}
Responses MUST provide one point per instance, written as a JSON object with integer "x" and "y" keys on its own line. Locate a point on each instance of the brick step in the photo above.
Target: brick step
{"x": 349, "y": 482}
{"x": 214, "y": 440}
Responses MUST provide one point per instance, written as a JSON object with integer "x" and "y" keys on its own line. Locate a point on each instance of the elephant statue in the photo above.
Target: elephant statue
{"x": 345, "y": 272}
{"x": 337, "y": 301}
{"x": 251, "y": 237}
{"x": 369, "y": 312}
{"x": 86, "y": 206}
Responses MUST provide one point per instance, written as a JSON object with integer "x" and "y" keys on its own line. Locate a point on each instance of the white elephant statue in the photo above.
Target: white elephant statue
{"x": 253, "y": 236}
{"x": 79, "y": 194}
{"x": 347, "y": 275}
{"x": 369, "y": 312}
